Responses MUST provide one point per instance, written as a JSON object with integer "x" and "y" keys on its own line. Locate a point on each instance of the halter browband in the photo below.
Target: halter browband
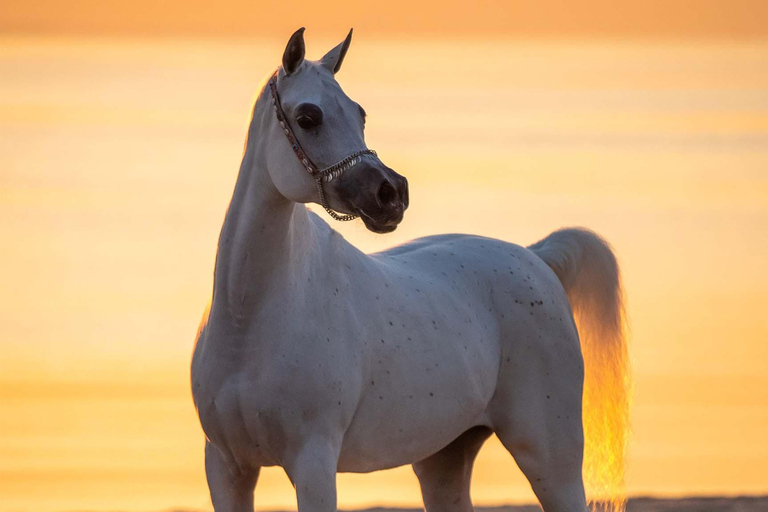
{"x": 329, "y": 173}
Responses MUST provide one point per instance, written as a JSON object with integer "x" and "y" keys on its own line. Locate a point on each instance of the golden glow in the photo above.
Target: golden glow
{"x": 118, "y": 158}
{"x": 606, "y": 405}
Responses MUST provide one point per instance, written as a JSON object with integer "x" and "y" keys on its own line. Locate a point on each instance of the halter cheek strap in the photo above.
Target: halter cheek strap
{"x": 329, "y": 173}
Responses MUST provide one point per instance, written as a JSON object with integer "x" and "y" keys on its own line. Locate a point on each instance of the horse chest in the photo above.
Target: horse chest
{"x": 255, "y": 406}
{"x": 252, "y": 419}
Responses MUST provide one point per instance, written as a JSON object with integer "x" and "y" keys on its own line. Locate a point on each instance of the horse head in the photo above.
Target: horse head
{"x": 322, "y": 136}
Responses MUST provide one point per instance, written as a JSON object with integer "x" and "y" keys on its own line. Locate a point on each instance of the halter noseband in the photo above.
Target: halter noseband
{"x": 329, "y": 173}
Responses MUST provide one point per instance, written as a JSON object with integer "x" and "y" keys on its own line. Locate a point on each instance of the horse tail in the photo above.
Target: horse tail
{"x": 589, "y": 272}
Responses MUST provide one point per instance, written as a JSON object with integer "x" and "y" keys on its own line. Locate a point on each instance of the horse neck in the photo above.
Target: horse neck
{"x": 266, "y": 240}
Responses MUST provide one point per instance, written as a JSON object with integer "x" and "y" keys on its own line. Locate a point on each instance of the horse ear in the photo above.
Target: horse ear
{"x": 294, "y": 52}
{"x": 333, "y": 59}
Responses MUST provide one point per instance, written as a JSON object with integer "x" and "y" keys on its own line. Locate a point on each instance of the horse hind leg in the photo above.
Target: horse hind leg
{"x": 445, "y": 476}
{"x": 551, "y": 461}
{"x": 536, "y": 414}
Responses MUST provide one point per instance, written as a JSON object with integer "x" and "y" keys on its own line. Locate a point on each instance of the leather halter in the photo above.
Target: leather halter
{"x": 329, "y": 173}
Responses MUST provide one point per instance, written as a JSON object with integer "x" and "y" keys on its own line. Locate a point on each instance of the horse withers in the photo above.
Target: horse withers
{"x": 320, "y": 359}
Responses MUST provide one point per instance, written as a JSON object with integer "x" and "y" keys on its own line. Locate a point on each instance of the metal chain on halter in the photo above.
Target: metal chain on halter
{"x": 329, "y": 172}
{"x": 306, "y": 161}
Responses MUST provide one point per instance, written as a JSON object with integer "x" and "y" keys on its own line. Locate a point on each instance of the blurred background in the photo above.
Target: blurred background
{"x": 121, "y": 131}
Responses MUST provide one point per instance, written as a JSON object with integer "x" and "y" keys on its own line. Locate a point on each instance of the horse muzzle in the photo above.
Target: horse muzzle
{"x": 383, "y": 208}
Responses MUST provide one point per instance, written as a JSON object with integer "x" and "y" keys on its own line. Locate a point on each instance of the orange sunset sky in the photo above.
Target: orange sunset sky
{"x": 121, "y": 131}
{"x": 394, "y": 18}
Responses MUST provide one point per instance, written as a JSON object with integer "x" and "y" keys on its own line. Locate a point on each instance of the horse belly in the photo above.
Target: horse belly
{"x": 419, "y": 402}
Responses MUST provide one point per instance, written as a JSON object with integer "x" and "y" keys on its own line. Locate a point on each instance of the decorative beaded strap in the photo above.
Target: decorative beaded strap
{"x": 329, "y": 173}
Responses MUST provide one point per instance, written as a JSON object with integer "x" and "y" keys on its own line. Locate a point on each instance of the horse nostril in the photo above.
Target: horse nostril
{"x": 387, "y": 195}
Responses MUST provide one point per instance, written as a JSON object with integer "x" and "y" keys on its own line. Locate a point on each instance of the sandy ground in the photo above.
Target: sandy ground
{"x": 735, "y": 504}
{"x": 738, "y": 504}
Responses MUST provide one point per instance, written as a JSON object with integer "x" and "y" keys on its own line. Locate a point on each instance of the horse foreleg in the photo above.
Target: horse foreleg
{"x": 445, "y": 476}
{"x": 312, "y": 472}
{"x": 231, "y": 488}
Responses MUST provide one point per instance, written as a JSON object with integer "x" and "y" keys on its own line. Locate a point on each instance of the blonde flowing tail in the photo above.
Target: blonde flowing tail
{"x": 587, "y": 268}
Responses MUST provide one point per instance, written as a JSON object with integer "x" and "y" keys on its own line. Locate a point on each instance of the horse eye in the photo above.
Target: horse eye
{"x": 306, "y": 122}
{"x": 309, "y": 116}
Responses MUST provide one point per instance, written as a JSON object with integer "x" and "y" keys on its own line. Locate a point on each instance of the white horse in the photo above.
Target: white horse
{"x": 320, "y": 359}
